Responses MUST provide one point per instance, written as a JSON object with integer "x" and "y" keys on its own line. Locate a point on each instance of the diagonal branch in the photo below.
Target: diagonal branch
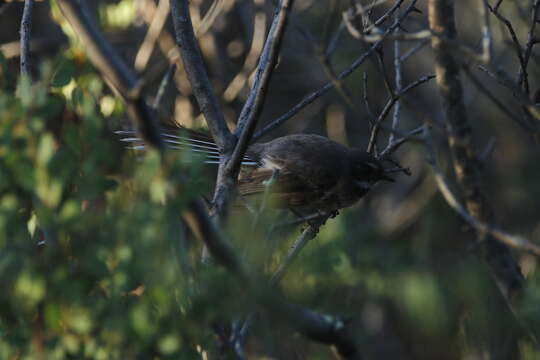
{"x": 252, "y": 108}
{"x": 197, "y": 75}
{"x": 516, "y": 241}
{"x": 113, "y": 68}
{"x": 314, "y": 326}
{"x": 386, "y": 110}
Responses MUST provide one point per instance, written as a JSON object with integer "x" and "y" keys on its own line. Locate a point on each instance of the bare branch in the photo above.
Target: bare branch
{"x": 26, "y": 29}
{"x": 459, "y": 133}
{"x": 152, "y": 34}
{"x": 197, "y": 75}
{"x": 249, "y": 115}
{"x": 515, "y": 241}
{"x": 414, "y": 49}
{"x": 317, "y": 327}
{"x": 386, "y": 110}
{"x": 323, "y": 90}
{"x": 503, "y": 79}
{"x": 515, "y": 41}
{"x": 220, "y": 248}
{"x": 396, "y": 144}
{"x": 307, "y": 235}
{"x": 113, "y": 68}
{"x": 531, "y": 41}
{"x": 163, "y": 86}
{"x": 483, "y": 89}
{"x": 398, "y": 82}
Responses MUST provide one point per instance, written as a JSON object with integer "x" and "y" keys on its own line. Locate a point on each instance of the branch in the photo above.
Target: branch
{"x": 483, "y": 89}
{"x": 26, "y": 29}
{"x": 320, "y": 328}
{"x": 197, "y": 75}
{"x": 399, "y": 82}
{"x": 307, "y": 235}
{"x": 386, "y": 110}
{"x": 152, "y": 34}
{"x": 317, "y": 94}
{"x": 113, "y": 68}
{"x": 396, "y": 144}
{"x": 515, "y": 241}
{"x": 252, "y": 108}
{"x": 531, "y": 41}
{"x": 163, "y": 86}
{"x": 441, "y": 19}
{"x": 206, "y": 230}
{"x": 515, "y": 42}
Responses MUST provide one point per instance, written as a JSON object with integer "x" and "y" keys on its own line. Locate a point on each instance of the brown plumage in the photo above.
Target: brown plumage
{"x": 313, "y": 172}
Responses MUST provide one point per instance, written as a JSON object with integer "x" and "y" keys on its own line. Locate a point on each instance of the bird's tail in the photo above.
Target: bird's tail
{"x": 181, "y": 139}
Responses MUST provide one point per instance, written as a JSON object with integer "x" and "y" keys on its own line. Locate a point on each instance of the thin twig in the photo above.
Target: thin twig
{"x": 332, "y": 45}
{"x": 307, "y": 235}
{"x": 414, "y": 50}
{"x": 152, "y": 34}
{"x": 163, "y": 86}
{"x": 327, "y": 87}
{"x": 329, "y": 70}
{"x": 371, "y": 117}
{"x": 396, "y": 144}
{"x": 515, "y": 241}
{"x": 483, "y": 89}
{"x": 388, "y": 107}
{"x": 531, "y": 41}
{"x": 515, "y": 42}
{"x": 398, "y": 84}
{"x": 503, "y": 79}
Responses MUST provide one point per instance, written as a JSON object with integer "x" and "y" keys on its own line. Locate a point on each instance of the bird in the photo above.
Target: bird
{"x": 302, "y": 172}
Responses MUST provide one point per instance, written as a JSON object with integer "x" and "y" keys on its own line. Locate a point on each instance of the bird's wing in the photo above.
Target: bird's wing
{"x": 286, "y": 189}
{"x": 316, "y": 161}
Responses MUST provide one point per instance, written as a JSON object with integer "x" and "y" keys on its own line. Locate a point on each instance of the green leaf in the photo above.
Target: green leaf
{"x": 63, "y": 74}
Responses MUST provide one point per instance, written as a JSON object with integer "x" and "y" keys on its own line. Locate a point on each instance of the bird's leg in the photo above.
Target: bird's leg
{"x": 313, "y": 220}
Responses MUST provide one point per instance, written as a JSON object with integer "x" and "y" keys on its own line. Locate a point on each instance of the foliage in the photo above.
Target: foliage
{"x": 89, "y": 255}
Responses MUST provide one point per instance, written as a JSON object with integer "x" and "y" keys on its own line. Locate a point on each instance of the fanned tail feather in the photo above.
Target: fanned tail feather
{"x": 196, "y": 142}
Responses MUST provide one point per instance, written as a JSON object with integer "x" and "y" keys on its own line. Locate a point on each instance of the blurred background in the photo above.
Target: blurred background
{"x": 96, "y": 264}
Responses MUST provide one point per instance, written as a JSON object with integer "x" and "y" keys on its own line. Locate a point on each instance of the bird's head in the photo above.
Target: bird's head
{"x": 367, "y": 170}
